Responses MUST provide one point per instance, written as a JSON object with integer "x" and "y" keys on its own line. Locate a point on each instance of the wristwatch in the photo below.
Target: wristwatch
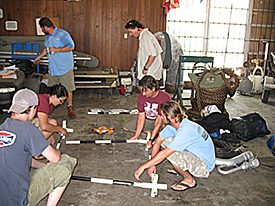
{"x": 144, "y": 68}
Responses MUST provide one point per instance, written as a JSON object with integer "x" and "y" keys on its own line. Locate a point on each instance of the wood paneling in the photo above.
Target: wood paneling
{"x": 263, "y": 21}
{"x": 97, "y": 26}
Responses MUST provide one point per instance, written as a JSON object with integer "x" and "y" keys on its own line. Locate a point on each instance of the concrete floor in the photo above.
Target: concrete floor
{"x": 119, "y": 161}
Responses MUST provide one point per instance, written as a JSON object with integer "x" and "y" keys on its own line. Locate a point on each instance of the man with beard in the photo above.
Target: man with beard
{"x": 59, "y": 46}
{"x": 191, "y": 151}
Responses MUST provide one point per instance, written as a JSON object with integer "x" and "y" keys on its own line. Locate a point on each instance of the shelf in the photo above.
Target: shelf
{"x": 103, "y": 77}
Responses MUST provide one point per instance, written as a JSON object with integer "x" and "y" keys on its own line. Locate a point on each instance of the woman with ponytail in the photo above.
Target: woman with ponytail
{"x": 56, "y": 95}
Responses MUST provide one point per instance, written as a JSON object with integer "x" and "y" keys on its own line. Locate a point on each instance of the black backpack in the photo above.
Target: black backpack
{"x": 214, "y": 122}
{"x": 24, "y": 65}
{"x": 249, "y": 126}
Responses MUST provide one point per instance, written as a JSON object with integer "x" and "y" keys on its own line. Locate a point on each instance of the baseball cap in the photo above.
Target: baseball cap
{"x": 22, "y": 100}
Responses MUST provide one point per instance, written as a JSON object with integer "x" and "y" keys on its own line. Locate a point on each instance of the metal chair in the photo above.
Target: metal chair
{"x": 182, "y": 59}
{"x": 25, "y": 49}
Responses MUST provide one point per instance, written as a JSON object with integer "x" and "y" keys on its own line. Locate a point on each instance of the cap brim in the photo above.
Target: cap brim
{"x": 17, "y": 108}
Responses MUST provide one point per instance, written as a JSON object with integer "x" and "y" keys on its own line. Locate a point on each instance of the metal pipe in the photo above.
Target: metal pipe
{"x": 246, "y": 156}
{"x": 246, "y": 165}
{"x": 228, "y": 33}
{"x": 34, "y": 54}
{"x": 21, "y": 53}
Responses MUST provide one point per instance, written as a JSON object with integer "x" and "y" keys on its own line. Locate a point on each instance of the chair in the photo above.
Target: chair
{"x": 27, "y": 48}
{"x": 182, "y": 59}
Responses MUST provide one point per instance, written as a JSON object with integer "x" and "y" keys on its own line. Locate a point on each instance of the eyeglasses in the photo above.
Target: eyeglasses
{"x": 61, "y": 101}
{"x": 143, "y": 89}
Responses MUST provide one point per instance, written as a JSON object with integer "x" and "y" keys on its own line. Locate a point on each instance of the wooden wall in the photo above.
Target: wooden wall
{"x": 97, "y": 26}
{"x": 262, "y": 28}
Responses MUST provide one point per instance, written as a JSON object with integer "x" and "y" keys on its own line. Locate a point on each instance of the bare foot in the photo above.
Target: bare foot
{"x": 172, "y": 171}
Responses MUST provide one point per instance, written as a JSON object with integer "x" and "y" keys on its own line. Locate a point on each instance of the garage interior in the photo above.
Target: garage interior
{"x": 104, "y": 57}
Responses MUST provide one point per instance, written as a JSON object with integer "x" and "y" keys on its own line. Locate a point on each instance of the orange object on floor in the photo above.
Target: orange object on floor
{"x": 101, "y": 130}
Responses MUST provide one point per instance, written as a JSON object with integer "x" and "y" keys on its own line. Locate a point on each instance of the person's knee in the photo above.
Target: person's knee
{"x": 66, "y": 166}
{"x": 68, "y": 161}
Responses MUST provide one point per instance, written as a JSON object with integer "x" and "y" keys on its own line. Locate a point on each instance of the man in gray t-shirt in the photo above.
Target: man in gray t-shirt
{"x": 19, "y": 140}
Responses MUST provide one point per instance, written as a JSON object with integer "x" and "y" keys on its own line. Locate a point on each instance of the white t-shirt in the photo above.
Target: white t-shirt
{"x": 148, "y": 45}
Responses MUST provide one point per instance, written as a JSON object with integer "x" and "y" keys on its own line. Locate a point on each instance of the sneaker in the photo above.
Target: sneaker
{"x": 71, "y": 113}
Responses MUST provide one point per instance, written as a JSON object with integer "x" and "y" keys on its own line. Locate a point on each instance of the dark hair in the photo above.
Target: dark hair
{"x": 44, "y": 21}
{"x": 58, "y": 90}
{"x": 27, "y": 110}
{"x": 148, "y": 82}
{"x": 174, "y": 109}
{"x": 133, "y": 24}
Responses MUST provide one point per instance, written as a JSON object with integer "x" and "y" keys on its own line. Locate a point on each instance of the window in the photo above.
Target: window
{"x": 211, "y": 28}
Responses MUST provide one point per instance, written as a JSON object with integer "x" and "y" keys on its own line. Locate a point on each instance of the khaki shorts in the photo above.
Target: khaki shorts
{"x": 67, "y": 80}
{"x": 36, "y": 122}
{"x": 53, "y": 175}
{"x": 187, "y": 161}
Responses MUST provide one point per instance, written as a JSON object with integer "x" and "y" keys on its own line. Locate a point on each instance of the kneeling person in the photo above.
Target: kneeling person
{"x": 56, "y": 96}
{"x": 191, "y": 152}
{"x": 19, "y": 140}
{"x": 148, "y": 102}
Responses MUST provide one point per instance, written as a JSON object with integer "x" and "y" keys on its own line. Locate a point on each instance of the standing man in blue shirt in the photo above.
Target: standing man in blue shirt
{"x": 191, "y": 151}
{"x": 59, "y": 46}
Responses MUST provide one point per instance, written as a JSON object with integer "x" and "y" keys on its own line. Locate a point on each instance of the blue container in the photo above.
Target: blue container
{"x": 271, "y": 144}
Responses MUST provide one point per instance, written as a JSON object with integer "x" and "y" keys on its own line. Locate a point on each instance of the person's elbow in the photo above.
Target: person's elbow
{"x": 159, "y": 140}
{"x": 52, "y": 154}
{"x": 43, "y": 127}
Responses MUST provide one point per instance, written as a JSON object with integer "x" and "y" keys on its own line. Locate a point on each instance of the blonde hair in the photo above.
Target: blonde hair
{"x": 174, "y": 109}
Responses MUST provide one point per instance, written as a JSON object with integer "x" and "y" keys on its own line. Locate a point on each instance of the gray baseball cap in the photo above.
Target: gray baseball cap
{"x": 22, "y": 100}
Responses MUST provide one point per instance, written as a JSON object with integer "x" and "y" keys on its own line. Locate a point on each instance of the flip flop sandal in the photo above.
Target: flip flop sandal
{"x": 172, "y": 171}
{"x": 187, "y": 187}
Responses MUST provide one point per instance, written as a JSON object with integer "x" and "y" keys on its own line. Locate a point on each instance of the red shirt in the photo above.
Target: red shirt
{"x": 44, "y": 105}
{"x": 151, "y": 105}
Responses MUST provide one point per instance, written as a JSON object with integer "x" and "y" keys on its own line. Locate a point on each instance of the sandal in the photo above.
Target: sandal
{"x": 187, "y": 187}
